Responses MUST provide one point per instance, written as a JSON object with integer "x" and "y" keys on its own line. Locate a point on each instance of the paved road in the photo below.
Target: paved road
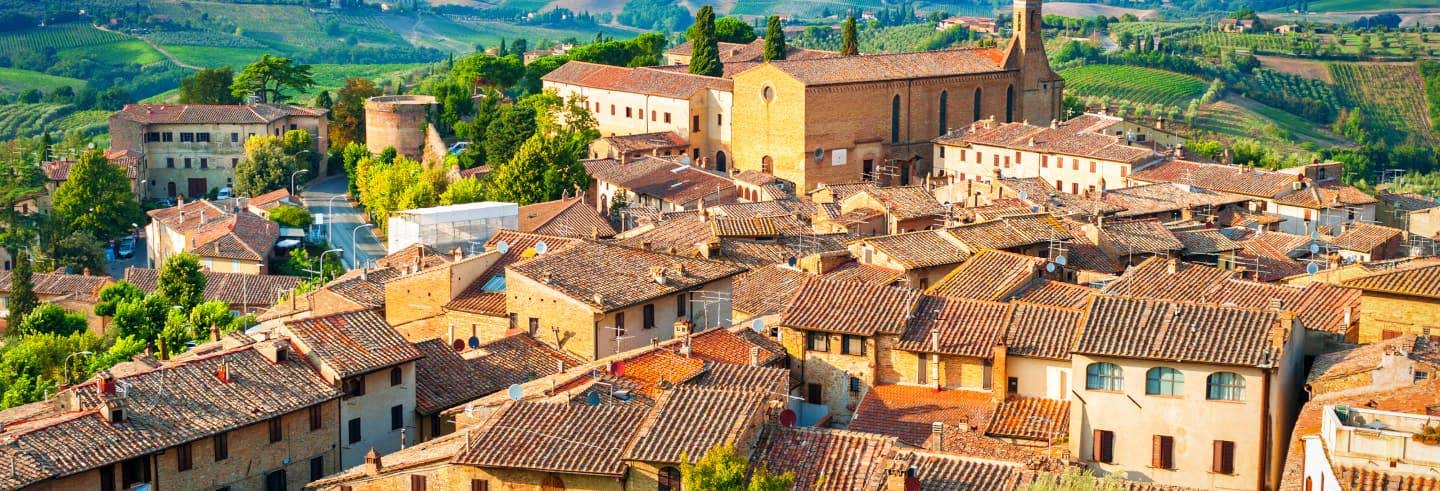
{"x": 342, "y": 220}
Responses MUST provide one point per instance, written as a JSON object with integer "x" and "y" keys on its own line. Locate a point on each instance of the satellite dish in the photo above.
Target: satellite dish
{"x": 618, "y": 369}
{"x": 1034, "y": 209}
{"x": 790, "y": 261}
{"x": 819, "y": 153}
{"x": 1312, "y": 268}
{"x": 592, "y": 399}
{"x": 1314, "y": 247}
{"x": 541, "y": 247}
{"x": 503, "y": 247}
{"x": 474, "y": 342}
{"x": 469, "y": 409}
{"x": 758, "y": 325}
{"x": 1024, "y": 195}
{"x": 1049, "y": 267}
{"x": 515, "y": 392}
{"x": 458, "y": 345}
{"x": 1061, "y": 260}
{"x": 787, "y": 418}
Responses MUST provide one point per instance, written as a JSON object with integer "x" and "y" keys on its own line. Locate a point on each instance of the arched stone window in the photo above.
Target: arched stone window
{"x": 1009, "y": 103}
{"x": 944, "y": 111}
{"x": 895, "y": 120}
{"x": 976, "y": 106}
{"x": 1225, "y": 386}
{"x": 1104, "y": 376}
{"x": 1164, "y": 381}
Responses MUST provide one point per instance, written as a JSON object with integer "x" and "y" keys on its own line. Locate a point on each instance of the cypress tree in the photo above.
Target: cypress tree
{"x": 704, "y": 49}
{"x": 22, "y": 289}
{"x": 849, "y": 43}
{"x": 774, "y": 40}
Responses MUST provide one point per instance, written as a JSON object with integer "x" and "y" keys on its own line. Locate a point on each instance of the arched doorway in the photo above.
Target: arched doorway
{"x": 767, "y": 165}
{"x": 975, "y": 106}
{"x": 720, "y": 161}
{"x": 895, "y": 120}
{"x": 944, "y": 112}
{"x": 170, "y": 188}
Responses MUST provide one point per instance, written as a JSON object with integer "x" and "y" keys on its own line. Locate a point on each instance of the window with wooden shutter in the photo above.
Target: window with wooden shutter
{"x": 1223, "y": 458}
{"x": 479, "y": 485}
{"x": 1162, "y": 452}
{"x": 417, "y": 482}
{"x": 1103, "y": 446}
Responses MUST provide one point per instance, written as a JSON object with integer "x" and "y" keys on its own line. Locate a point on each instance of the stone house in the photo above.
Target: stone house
{"x": 1397, "y": 301}
{"x": 1303, "y": 198}
{"x": 652, "y": 182}
{"x": 185, "y": 150}
{"x": 228, "y": 241}
{"x": 74, "y": 292}
{"x": 244, "y": 293}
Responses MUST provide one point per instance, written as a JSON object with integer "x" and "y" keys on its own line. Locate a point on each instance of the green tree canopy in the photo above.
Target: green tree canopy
{"x": 463, "y": 191}
{"x": 96, "y": 198}
{"x": 722, "y": 469}
{"x": 113, "y": 294}
{"x": 209, "y": 86}
{"x": 52, "y": 319}
{"x": 510, "y": 127}
{"x": 291, "y": 216}
{"x": 497, "y": 72}
{"x": 323, "y": 100}
{"x": 181, "y": 281}
{"x": 269, "y": 77}
{"x": 347, "y": 115}
{"x": 704, "y": 50}
{"x": 849, "y": 38}
{"x": 143, "y": 318}
{"x": 732, "y": 30}
{"x": 22, "y": 287}
{"x": 774, "y": 39}
{"x": 547, "y": 166}
{"x": 267, "y": 166}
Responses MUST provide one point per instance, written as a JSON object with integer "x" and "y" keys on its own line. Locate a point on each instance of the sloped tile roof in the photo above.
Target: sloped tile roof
{"x": 1415, "y": 282}
{"x": 1011, "y": 231}
{"x": 939, "y": 471}
{"x": 907, "y": 412}
{"x": 1363, "y": 358}
{"x": 1366, "y": 237}
{"x": 1042, "y": 331}
{"x": 1248, "y": 181}
{"x": 744, "y": 377}
{"x": 661, "y": 83}
{"x": 1206, "y": 241}
{"x": 654, "y": 371}
{"x": 658, "y": 177}
{"x": 515, "y": 359}
{"x": 907, "y": 202}
{"x": 1145, "y": 236}
{"x": 724, "y": 346}
{"x": 1031, "y": 418}
{"x": 555, "y": 437}
{"x": 353, "y": 343}
{"x": 518, "y": 246}
{"x": 640, "y": 142}
{"x": 610, "y": 277}
{"x": 988, "y": 275}
{"x": 1326, "y": 195}
{"x": 212, "y": 114}
{"x": 923, "y": 249}
{"x": 1160, "y": 330}
{"x": 236, "y": 289}
{"x": 565, "y": 218}
{"x": 952, "y": 326}
{"x": 1075, "y": 138}
{"x": 690, "y": 420}
{"x": 1407, "y": 201}
{"x": 1163, "y": 197}
{"x": 822, "y": 459}
{"x": 1416, "y": 398}
{"x": 443, "y": 379}
{"x": 1039, "y": 193}
{"x": 1057, "y": 293}
{"x": 891, "y": 66}
{"x": 865, "y": 273}
{"x": 177, "y": 402}
{"x": 1372, "y": 479}
{"x": 764, "y": 291}
{"x": 848, "y": 307}
{"x": 78, "y": 286}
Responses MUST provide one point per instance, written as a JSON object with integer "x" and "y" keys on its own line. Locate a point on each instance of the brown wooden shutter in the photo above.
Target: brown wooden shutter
{"x": 1223, "y": 458}
{"x": 1101, "y": 446}
{"x": 417, "y": 482}
{"x": 1167, "y": 452}
{"x": 479, "y": 485}
{"x": 1157, "y": 451}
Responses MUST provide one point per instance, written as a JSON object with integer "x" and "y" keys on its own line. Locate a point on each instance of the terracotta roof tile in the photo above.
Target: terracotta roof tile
{"x": 865, "y": 273}
{"x": 1057, "y": 293}
{"x": 1042, "y": 331}
{"x": 661, "y": 178}
{"x": 1143, "y": 236}
{"x": 645, "y": 142}
{"x": 1416, "y": 398}
{"x": 1371, "y": 479}
{"x": 773, "y": 380}
{"x": 1161, "y": 330}
{"x": 1363, "y": 358}
{"x": 1248, "y": 181}
{"x": 1031, "y": 418}
{"x": 212, "y": 114}
{"x": 443, "y": 379}
{"x": 609, "y": 277}
{"x": 960, "y": 327}
{"x": 1040, "y": 194}
{"x": 827, "y": 460}
{"x": 951, "y": 472}
{"x": 352, "y": 343}
{"x": 1012, "y": 231}
{"x": 555, "y": 437}
{"x": 661, "y": 83}
{"x": 1206, "y": 241}
{"x": 764, "y": 291}
{"x": 236, "y": 289}
{"x": 723, "y": 346}
{"x": 908, "y": 413}
{"x": 988, "y": 275}
{"x": 848, "y": 307}
{"x": 515, "y": 359}
{"x": 1164, "y": 197}
{"x": 475, "y": 298}
{"x": 1075, "y": 137}
{"x": 565, "y": 218}
{"x": 1407, "y": 201}
{"x": 655, "y": 370}
{"x": 1366, "y": 237}
{"x": 80, "y": 287}
{"x": 690, "y": 420}
{"x": 890, "y": 66}
{"x": 923, "y": 249}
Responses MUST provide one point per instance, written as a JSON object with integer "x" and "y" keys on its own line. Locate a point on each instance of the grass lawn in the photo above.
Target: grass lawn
{"x": 1346, "y": 5}
{"x": 132, "y": 51}
{"x": 14, "y": 80}
{"x": 210, "y": 56}
{"x": 1136, "y": 84}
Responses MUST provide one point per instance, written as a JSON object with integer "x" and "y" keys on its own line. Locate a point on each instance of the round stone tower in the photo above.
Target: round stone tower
{"x": 397, "y": 121}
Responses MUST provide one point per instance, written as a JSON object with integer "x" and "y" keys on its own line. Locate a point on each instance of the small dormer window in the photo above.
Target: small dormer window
{"x": 117, "y": 415}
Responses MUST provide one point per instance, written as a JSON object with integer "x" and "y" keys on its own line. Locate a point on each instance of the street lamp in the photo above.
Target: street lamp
{"x": 292, "y": 179}
{"x": 330, "y": 222}
{"x": 354, "y": 237}
{"x": 69, "y": 373}
{"x": 322, "y": 262}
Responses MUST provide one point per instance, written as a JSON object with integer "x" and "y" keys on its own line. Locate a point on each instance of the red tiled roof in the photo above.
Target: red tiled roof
{"x": 909, "y": 412}
{"x": 1366, "y": 237}
{"x": 1031, "y": 418}
{"x": 1057, "y": 293}
{"x": 1011, "y": 231}
{"x": 352, "y": 343}
{"x": 1149, "y": 199}
{"x": 658, "y": 177}
{"x": 555, "y": 437}
{"x": 1248, "y": 181}
{"x": 865, "y": 273}
{"x": 953, "y": 326}
{"x": 645, "y": 141}
{"x": 688, "y": 420}
{"x": 988, "y": 275}
{"x": 662, "y": 83}
{"x": 923, "y": 249}
{"x": 85, "y": 288}
{"x": 1142, "y": 236}
{"x": 443, "y": 379}
{"x": 515, "y": 359}
{"x": 1206, "y": 241}
{"x": 1160, "y": 330}
{"x": 890, "y": 66}
{"x": 610, "y": 277}
{"x": 848, "y": 307}
{"x": 1075, "y": 137}
{"x": 1042, "y": 331}
{"x": 1373, "y": 479}
{"x": 213, "y": 114}
{"x": 236, "y": 289}
{"x": 826, "y": 460}
{"x": 764, "y": 291}
{"x": 565, "y": 218}
{"x": 723, "y": 346}
{"x": 951, "y": 472}
{"x": 653, "y": 370}
{"x": 518, "y": 246}
{"x": 1415, "y": 282}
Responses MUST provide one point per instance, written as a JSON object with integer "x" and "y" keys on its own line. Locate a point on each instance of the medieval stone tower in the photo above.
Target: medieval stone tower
{"x": 1040, "y": 87}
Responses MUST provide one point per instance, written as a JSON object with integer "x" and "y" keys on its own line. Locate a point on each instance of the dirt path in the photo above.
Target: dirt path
{"x": 157, "y": 47}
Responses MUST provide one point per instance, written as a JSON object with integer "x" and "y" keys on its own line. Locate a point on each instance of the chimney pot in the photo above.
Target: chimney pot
{"x": 937, "y": 436}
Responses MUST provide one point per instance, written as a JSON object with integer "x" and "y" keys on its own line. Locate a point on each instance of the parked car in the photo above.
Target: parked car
{"x": 225, "y": 193}
{"x": 164, "y": 202}
{"x": 125, "y": 247}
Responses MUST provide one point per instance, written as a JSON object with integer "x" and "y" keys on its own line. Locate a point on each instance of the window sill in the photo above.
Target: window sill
{"x": 1105, "y": 391}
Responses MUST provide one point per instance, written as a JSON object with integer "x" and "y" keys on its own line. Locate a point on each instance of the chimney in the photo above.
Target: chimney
{"x": 84, "y": 271}
{"x": 214, "y": 332}
{"x": 594, "y": 233}
{"x": 683, "y": 328}
{"x": 105, "y": 382}
{"x": 275, "y": 351}
{"x": 458, "y": 253}
{"x": 937, "y": 436}
{"x": 654, "y": 343}
{"x": 372, "y": 463}
{"x": 754, "y": 356}
{"x": 657, "y": 273}
{"x": 1054, "y": 123}
{"x": 1187, "y": 214}
{"x": 999, "y": 375}
{"x": 223, "y": 373}
{"x": 898, "y": 475}
{"x": 1172, "y": 265}
{"x": 1277, "y": 304}
{"x": 679, "y": 268}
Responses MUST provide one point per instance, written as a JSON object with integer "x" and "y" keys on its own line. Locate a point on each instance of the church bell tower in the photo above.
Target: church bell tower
{"x": 1040, "y": 88}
